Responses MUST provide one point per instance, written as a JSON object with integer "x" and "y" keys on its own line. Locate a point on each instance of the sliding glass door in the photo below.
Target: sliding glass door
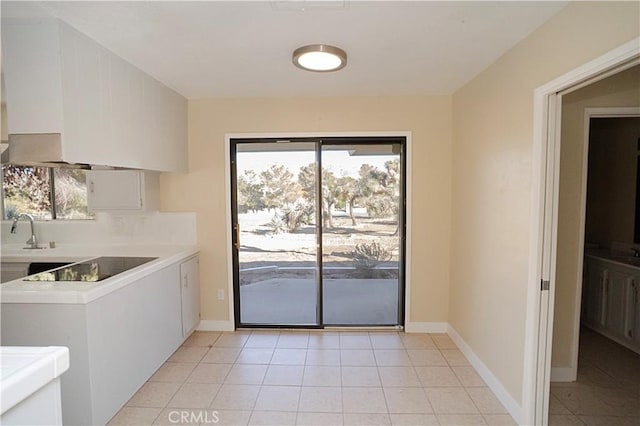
{"x": 318, "y": 231}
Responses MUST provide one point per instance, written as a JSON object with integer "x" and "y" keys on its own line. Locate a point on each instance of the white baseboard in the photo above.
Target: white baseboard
{"x": 211, "y": 325}
{"x": 425, "y": 327}
{"x": 492, "y": 381}
{"x": 563, "y": 374}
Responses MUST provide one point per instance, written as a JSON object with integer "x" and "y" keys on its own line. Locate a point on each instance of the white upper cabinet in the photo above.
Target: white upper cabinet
{"x": 106, "y": 111}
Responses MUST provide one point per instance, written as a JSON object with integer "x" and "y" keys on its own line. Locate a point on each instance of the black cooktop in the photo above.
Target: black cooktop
{"x": 92, "y": 270}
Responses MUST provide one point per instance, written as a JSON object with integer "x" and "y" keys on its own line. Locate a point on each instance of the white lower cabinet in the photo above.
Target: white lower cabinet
{"x": 116, "y": 342}
{"x": 611, "y": 301}
{"x": 190, "y": 293}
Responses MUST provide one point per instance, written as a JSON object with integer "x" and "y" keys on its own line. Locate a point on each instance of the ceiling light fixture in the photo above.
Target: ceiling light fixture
{"x": 320, "y": 58}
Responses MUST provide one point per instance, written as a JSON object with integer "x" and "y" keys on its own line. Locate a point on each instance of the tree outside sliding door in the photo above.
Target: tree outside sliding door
{"x": 318, "y": 231}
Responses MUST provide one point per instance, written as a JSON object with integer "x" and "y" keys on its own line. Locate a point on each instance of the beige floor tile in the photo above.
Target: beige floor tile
{"x": 232, "y": 340}
{"x": 414, "y": 419}
{"x": 485, "y": 401}
{"x": 135, "y": 416}
{"x": 363, "y": 400}
{"x": 360, "y": 376}
{"x": 585, "y": 401}
{"x": 443, "y": 341}
{"x": 407, "y": 401}
{"x": 392, "y": 357}
{"x": 194, "y": 395}
{"x": 324, "y": 340}
{"x": 461, "y": 419}
{"x": 236, "y": 397}
{"x": 417, "y": 341}
{"x": 221, "y": 355}
{"x": 321, "y": 375}
{"x": 426, "y": 357}
{"x": 319, "y": 419}
{"x": 609, "y": 421}
{"x": 289, "y": 356}
{"x": 284, "y": 375}
{"x": 209, "y": 373}
{"x": 432, "y": 377}
{"x": 233, "y": 417}
{"x": 321, "y": 399}
{"x": 323, "y": 357}
{"x": 189, "y": 354}
{"x": 295, "y": 340}
{"x": 255, "y": 356}
{"x": 450, "y": 401}
{"x": 278, "y": 398}
{"x": 454, "y": 357}
{"x": 154, "y": 394}
{"x": 262, "y": 340}
{"x": 357, "y": 357}
{"x": 272, "y": 418}
{"x": 555, "y": 406}
{"x": 366, "y": 419}
{"x": 202, "y": 338}
{"x": 564, "y": 420}
{"x": 246, "y": 374}
{"x": 499, "y": 420}
{"x": 351, "y": 341}
{"x": 398, "y": 376}
{"x": 384, "y": 340}
{"x": 173, "y": 372}
{"x": 468, "y": 376}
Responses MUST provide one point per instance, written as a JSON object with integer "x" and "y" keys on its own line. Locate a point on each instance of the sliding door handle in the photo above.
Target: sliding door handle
{"x": 238, "y": 236}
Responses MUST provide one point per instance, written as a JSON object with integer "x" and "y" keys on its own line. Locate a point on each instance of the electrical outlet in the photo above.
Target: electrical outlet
{"x": 220, "y": 294}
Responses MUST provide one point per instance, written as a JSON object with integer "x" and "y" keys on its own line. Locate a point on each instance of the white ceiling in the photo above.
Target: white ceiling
{"x": 243, "y": 49}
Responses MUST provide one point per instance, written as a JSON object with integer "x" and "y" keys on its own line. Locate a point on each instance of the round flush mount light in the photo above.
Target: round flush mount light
{"x": 320, "y": 58}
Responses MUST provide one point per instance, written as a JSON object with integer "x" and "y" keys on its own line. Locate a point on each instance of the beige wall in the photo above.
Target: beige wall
{"x": 203, "y": 189}
{"x": 492, "y": 174}
{"x": 621, "y": 90}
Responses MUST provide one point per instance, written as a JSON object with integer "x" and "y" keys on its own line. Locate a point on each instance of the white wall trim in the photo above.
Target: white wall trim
{"x": 535, "y": 355}
{"x": 563, "y": 374}
{"x": 426, "y": 327}
{"x": 490, "y": 379}
{"x": 401, "y": 133}
{"x": 211, "y": 325}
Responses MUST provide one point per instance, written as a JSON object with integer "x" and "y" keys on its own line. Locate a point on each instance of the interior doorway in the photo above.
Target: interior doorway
{"x": 318, "y": 231}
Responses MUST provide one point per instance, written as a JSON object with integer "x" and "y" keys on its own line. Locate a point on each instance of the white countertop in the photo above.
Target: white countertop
{"x": 19, "y": 291}
{"x": 616, "y": 257}
{"x": 24, "y": 370}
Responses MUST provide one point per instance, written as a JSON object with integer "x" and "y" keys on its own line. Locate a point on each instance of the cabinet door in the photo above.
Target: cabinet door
{"x": 190, "y": 291}
{"x": 593, "y": 310}
{"x": 616, "y": 297}
{"x": 631, "y": 307}
{"x": 114, "y": 190}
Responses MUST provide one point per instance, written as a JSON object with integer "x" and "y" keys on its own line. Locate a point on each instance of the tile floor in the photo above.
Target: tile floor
{"x": 315, "y": 378}
{"x": 607, "y": 391}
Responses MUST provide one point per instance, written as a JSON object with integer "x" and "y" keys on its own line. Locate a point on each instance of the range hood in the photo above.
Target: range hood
{"x": 37, "y": 150}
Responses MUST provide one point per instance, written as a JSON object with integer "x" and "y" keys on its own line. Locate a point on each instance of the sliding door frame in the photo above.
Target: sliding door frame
{"x": 402, "y": 137}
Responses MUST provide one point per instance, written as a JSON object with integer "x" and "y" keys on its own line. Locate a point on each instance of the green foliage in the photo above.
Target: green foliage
{"x": 369, "y": 255}
{"x": 279, "y": 187}
{"x": 27, "y": 190}
{"x": 250, "y": 192}
{"x": 291, "y": 218}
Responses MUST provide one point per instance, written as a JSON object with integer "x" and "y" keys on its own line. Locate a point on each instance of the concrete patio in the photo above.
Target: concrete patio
{"x": 347, "y": 301}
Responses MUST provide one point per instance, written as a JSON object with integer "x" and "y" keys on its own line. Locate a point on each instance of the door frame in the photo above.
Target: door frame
{"x": 316, "y": 135}
{"x": 543, "y": 223}
{"x": 570, "y": 373}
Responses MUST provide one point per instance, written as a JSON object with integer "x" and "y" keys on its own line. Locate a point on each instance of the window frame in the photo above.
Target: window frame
{"x": 52, "y": 195}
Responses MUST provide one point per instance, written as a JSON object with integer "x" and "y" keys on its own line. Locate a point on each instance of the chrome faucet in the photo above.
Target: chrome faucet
{"x": 636, "y": 252}
{"x": 33, "y": 241}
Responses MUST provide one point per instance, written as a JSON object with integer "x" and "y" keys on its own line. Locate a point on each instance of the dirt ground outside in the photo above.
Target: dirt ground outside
{"x": 261, "y": 247}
